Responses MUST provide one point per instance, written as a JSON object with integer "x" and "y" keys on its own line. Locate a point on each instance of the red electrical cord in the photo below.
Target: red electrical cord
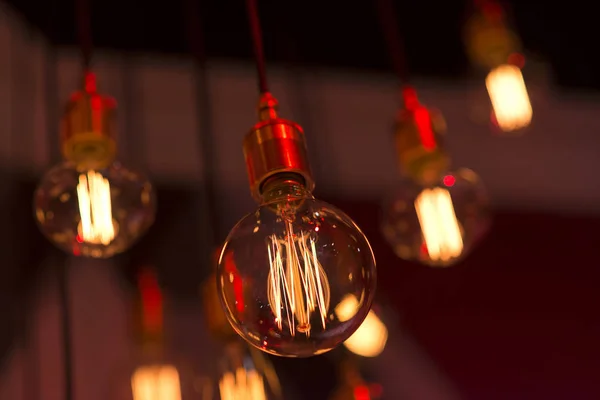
{"x": 259, "y": 54}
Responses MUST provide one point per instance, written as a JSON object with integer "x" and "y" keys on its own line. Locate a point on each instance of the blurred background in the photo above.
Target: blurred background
{"x": 517, "y": 319}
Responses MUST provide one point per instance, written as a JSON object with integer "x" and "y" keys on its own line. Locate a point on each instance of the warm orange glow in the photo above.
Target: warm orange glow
{"x": 296, "y": 281}
{"x": 244, "y": 385}
{"x": 95, "y": 209}
{"x": 509, "y": 97}
{"x": 156, "y": 382}
{"x": 370, "y": 338}
{"x": 441, "y": 232}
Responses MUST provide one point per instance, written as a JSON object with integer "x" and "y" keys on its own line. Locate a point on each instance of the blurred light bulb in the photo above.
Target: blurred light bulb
{"x": 156, "y": 382}
{"x": 245, "y": 374}
{"x": 509, "y": 97}
{"x": 284, "y": 267}
{"x": 437, "y": 224}
{"x": 94, "y": 213}
{"x": 244, "y": 385}
{"x": 95, "y": 208}
{"x": 441, "y": 232}
{"x": 370, "y": 338}
{"x": 91, "y": 205}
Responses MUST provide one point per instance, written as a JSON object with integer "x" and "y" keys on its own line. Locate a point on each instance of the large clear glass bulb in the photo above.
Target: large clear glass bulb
{"x": 285, "y": 268}
{"x": 438, "y": 223}
{"x": 94, "y": 213}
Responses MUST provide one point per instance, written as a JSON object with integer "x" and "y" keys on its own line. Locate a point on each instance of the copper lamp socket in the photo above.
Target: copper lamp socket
{"x": 88, "y": 127}
{"x": 273, "y": 147}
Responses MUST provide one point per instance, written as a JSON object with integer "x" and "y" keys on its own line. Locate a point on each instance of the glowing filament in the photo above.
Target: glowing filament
{"x": 244, "y": 385}
{"x": 160, "y": 382}
{"x": 439, "y": 225}
{"x": 509, "y": 97}
{"x": 298, "y": 285}
{"x": 95, "y": 209}
{"x": 370, "y": 338}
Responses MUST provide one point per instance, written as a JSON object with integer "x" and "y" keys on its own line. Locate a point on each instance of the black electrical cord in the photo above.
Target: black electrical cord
{"x": 83, "y": 18}
{"x": 394, "y": 40}
{"x": 205, "y": 123}
{"x": 259, "y": 54}
{"x": 64, "y": 301}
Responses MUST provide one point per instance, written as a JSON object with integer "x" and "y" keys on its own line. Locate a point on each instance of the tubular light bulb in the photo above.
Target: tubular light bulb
{"x": 157, "y": 382}
{"x": 440, "y": 228}
{"x": 509, "y": 97}
{"x": 370, "y": 338}
{"x": 437, "y": 224}
{"x": 95, "y": 209}
{"x": 90, "y": 205}
{"x": 284, "y": 267}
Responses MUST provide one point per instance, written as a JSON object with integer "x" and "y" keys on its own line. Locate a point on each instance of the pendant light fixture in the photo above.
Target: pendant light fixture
{"x": 90, "y": 204}
{"x": 436, "y": 214}
{"x": 495, "y": 48}
{"x": 153, "y": 372}
{"x": 285, "y": 267}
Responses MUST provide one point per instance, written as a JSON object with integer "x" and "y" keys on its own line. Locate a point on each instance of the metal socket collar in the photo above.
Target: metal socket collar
{"x": 275, "y": 146}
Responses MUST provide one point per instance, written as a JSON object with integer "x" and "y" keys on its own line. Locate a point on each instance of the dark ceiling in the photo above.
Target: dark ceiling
{"x": 333, "y": 33}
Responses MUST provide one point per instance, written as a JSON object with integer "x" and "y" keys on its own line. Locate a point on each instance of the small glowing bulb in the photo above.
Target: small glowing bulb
{"x": 95, "y": 209}
{"x": 370, "y": 338}
{"x": 156, "y": 382}
{"x": 509, "y": 97}
{"x": 244, "y": 385}
{"x": 304, "y": 256}
{"x": 437, "y": 224}
{"x": 94, "y": 213}
{"x": 440, "y": 228}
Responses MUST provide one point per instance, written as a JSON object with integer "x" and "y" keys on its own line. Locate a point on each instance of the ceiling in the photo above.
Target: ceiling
{"x": 333, "y": 33}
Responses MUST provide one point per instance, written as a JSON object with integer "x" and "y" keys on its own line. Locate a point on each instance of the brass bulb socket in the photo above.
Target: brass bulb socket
{"x": 275, "y": 146}
{"x": 88, "y": 130}
{"x": 422, "y": 163}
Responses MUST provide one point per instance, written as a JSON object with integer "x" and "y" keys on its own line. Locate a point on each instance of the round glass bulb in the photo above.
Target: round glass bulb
{"x": 437, "y": 224}
{"x": 94, "y": 213}
{"x": 286, "y": 268}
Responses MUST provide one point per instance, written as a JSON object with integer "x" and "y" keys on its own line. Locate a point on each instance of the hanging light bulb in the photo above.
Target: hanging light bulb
{"x": 152, "y": 372}
{"x": 284, "y": 268}
{"x": 494, "y": 47}
{"x": 510, "y": 101}
{"x": 436, "y": 215}
{"x": 370, "y": 338}
{"x": 156, "y": 382}
{"x": 90, "y": 204}
{"x": 245, "y": 374}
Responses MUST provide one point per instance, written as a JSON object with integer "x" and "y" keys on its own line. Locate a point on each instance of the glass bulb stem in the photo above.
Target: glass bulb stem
{"x": 285, "y": 187}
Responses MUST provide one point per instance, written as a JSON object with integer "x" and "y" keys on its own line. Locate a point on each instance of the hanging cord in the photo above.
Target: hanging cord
{"x": 83, "y": 18}
{"x": 395, "y": 43}
{"x": 259, "y": 53}
{"x": 64, "y": 301}
{"x": 204, "y": 114}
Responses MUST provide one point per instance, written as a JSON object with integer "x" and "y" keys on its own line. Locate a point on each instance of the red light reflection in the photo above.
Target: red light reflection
{"x": 449, "y": 180}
